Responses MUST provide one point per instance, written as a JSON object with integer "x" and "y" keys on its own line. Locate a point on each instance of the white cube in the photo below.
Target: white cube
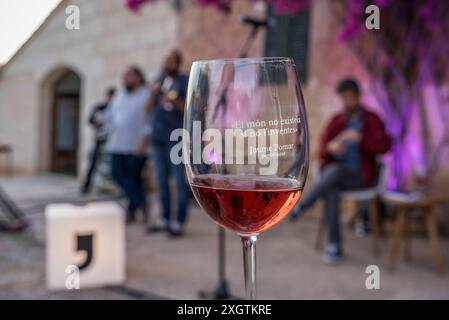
{"x": 85, "y": 245}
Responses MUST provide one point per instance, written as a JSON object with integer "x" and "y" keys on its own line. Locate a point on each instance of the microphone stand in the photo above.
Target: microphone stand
{"x": 222, "y": 291}
{"x": 249, "y": 41}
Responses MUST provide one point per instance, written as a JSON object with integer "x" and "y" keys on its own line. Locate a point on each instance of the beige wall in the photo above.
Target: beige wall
{"x": 208, "y": 34}
{"x": 205, "y": 33}
{"x": 110, "y": 38}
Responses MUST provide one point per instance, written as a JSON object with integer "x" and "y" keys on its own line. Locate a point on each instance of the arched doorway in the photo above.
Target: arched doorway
{"x": 64, "y": 116}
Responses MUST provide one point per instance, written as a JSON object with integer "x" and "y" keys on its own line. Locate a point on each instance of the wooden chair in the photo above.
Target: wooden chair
{"x": 401, "y": 229}
{"x": 370, "y": 195}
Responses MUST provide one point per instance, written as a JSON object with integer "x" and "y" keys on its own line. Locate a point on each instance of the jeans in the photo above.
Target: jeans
{"x": 164, "y": 169}
{"x": 127, "y": 173}
{"x": 334, "y": 179}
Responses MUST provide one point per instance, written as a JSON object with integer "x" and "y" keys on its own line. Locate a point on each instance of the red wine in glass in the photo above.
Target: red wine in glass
{"x": 246, "y": 204}
{"x": 262, "y": 98}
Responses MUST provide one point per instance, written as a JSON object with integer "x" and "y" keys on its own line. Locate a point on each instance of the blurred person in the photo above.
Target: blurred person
{"x": 166, "y": 109}
{"x": 349, "y": 146}
{"x": 126, "y": 126}
{"x": 97, "y": 121}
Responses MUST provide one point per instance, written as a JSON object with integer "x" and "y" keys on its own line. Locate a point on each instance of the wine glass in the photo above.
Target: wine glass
{"x": 245, "y": 145}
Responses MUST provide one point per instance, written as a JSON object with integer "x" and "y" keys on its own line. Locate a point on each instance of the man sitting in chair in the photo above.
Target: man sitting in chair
{"x": 349, "y": 146}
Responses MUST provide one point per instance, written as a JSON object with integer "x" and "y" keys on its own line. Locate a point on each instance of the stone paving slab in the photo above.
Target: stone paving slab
{"x": 159, "y": 267}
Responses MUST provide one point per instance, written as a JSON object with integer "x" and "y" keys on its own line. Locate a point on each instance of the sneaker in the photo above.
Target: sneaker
{"x": 161, "y": 225}
{"x": 332, "y": 254}
{"x": 176, "y": 229}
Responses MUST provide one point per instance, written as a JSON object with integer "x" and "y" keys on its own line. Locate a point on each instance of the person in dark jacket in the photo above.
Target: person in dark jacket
{"x": 96, "y": 120}
{"x": 350, "y": 144}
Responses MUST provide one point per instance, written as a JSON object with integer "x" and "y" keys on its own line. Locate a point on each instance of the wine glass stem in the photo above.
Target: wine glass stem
{"x": 249, "y": 264}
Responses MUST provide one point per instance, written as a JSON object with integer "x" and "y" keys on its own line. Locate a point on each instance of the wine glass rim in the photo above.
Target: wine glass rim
{"x": 247, "y": 60}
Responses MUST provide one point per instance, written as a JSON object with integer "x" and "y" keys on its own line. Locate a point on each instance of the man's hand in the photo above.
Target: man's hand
{"x": 156, "y": 88}
{"x": 350, "y": 135}
{"x": 336, "y": 147}
{"x": 142, "y": 146}
{"x": 165, "y": 99}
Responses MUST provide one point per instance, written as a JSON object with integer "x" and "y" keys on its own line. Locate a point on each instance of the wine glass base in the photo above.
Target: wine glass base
{"x": 221, "y": 293}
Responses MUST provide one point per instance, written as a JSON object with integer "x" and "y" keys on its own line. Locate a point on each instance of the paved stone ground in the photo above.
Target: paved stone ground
{"x": 158, "y": 267}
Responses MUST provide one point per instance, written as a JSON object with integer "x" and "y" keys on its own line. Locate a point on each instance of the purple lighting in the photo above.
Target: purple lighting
{"x": 404, "y": 58}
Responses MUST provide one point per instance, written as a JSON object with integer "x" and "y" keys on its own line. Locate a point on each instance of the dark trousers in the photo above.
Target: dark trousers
{"x": 334, "y": 179}
{"x": 127, "y": 173}
{"x": 164, "y": 169}
{"x": 93, "y": 165}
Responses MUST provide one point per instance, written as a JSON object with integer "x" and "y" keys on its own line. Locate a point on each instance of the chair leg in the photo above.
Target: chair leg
{"x": 354, "y": 214}
{"x": 407, "y": 239}
{"x": 396, "y": 238}
{"x": 320, "y": 234}
{"x": 375, "y": 229}
{"x": 432, "y": 232}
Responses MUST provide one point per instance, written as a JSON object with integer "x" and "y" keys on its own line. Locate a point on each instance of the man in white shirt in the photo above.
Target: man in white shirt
{"x": 126, "y": 123}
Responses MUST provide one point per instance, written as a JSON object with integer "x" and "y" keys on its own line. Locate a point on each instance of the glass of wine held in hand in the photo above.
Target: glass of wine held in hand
{"x": 245, "y": 145}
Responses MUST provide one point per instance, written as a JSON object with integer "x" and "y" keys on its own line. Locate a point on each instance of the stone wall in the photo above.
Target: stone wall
{"x": 110, "y": 38}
